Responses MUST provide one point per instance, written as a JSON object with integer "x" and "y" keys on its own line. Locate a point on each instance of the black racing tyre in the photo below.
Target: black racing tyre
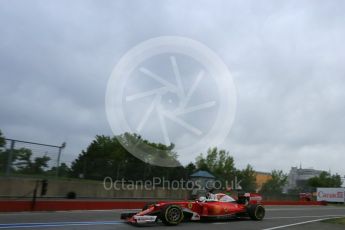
{"x": 147, "y": 205}
{"x": 172, "y": 215}
{"x": 256, "y": 212}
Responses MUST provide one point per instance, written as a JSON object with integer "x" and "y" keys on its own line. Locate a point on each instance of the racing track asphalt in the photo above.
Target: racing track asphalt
{"x": 277, "y": 217}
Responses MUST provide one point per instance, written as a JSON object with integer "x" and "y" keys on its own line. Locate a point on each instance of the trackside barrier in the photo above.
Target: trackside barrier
{"x": 294, "y": 202}
{"x": 20, "y": 206}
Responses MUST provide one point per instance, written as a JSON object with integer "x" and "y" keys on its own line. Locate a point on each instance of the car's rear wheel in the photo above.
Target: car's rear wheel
{"x": 256, "y": 212}
{"x": 172, "y": 215}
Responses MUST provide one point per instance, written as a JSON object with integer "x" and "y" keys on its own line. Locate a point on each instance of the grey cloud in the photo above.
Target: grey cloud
{"x": 286, "y": 59}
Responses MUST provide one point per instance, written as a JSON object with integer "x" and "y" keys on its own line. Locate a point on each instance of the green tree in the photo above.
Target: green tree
{"x": 40, "y": 164}
{"x": 275, "y": 185}
{"x": 190, "y": 168}
{"x": 201, "y": 163}
{"x": 26, "y": 165}
{"x": 325, "y": 179}
{"x": 106, "y": 156}
{"x": 23, "y": 160}
{"x": 4, "y": 159}
{"x": 3, "y": 155}
{"x": 247, "y": 178}
{"x": 2, "y": 141}
{"x": 149, "y": 152}
{"x": 64, "y": 170}
{"x": 219, "y": 163}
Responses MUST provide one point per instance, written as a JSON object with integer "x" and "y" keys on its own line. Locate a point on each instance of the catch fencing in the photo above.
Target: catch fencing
{"x": 20, "y": 157}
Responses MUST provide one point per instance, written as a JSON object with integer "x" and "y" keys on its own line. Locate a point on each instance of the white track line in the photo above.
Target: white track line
{"x": 57, "y": 224}
{"x": 68, "y": 211}
{"x": 300, "y": 223}
{"x": 299, "y": 217}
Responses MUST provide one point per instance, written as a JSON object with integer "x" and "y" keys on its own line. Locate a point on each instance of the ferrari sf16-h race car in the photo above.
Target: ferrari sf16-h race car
{"x": 222, "y": 208}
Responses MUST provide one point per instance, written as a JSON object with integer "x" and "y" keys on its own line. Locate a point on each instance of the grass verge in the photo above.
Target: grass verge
{"x": 336, "y": 221}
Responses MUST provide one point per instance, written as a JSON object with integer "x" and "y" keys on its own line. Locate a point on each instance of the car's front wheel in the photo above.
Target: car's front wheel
{"x": 172, "y": 215}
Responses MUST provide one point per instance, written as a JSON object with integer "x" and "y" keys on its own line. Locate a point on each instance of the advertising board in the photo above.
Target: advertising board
{"x": 331, "y": 194}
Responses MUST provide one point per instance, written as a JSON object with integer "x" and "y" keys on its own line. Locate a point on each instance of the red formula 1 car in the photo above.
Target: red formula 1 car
{"x": 225, "y": 207}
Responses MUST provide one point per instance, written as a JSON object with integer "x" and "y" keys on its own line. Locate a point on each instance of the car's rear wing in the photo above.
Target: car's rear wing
{"x": 251, "y": 198}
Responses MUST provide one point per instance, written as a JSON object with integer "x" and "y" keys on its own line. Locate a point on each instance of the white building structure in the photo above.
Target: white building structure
{"x": 299, "y": 177}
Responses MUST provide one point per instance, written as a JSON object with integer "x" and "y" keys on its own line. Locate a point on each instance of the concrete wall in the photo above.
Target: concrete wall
{"x": 23, "y": 187}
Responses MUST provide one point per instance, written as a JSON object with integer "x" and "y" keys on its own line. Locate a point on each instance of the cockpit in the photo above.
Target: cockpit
{"x": 226, "y": 198}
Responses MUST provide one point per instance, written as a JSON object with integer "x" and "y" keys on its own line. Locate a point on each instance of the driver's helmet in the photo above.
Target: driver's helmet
{"x": 209, "y": 194}
{"x": 221, "y": 197}
{"x": 202, "y": 199}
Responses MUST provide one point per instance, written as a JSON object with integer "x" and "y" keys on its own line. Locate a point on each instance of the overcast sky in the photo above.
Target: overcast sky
{"x": 286, "y": 59}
